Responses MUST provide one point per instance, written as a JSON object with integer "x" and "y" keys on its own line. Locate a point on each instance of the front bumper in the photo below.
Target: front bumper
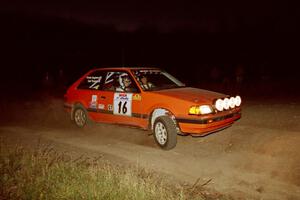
{"x": 204, "y": 126}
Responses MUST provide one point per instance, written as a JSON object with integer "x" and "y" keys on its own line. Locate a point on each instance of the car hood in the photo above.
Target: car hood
{"x": 194, "y": 95}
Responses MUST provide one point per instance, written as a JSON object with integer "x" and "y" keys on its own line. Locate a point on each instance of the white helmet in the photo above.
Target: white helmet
{"x": 122, "y": 77}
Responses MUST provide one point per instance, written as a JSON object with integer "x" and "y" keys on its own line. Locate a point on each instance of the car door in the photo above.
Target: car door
{"x": 117, "y": 104}
{"x": 88, "y": 92}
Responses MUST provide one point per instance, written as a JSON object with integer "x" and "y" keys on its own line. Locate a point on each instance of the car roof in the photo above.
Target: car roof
{"x": 131, "y": 68}
{"x": 123, "y": 68}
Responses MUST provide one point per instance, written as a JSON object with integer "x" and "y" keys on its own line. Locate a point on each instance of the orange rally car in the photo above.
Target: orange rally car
{"x": 152, "y": 99}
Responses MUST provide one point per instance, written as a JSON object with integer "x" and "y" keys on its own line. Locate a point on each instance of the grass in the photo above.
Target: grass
{"x": 43, "y": 173}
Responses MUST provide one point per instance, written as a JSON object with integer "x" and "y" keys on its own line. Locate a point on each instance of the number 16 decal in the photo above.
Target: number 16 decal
{"x": 122, "y": 108}
{"x": 122, "y": 104}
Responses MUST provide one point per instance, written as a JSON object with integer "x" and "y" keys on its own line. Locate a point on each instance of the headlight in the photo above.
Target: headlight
{"x": 219, "y": 104}
{"x": 200, "y": 110}
{"x": 232, "y": 102}
{"x": 238, "y": 100}
{"x": 205, "y": 109}
{"x": 226, "y": 103}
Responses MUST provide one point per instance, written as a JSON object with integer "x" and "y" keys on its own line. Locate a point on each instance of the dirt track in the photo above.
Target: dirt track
{"x": 256, "y": 158}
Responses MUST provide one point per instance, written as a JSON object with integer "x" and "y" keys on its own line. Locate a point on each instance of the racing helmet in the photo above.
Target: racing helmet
{"x": 122, "y": 78}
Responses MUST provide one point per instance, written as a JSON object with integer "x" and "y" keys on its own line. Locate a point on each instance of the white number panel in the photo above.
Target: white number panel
{"x": 122, "y": 104}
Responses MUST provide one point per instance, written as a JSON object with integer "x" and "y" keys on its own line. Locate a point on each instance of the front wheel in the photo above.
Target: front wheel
{"x": 165, "y": 133}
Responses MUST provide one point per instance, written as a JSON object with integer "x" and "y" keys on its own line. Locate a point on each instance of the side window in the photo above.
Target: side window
{"x": 119, "y": 81}
{"x": 92, "y": 81}
{"x": 109, "y": 81}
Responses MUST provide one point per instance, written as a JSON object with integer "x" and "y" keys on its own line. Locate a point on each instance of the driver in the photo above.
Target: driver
{"x": 124, "y": 82}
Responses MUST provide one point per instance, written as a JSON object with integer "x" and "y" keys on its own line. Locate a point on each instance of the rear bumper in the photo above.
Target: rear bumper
{"x": 68, "y": 107}
{"x": 201, "y": 127}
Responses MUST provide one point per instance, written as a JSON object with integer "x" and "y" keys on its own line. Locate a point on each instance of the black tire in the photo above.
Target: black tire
{"x": 80, "y": 116}
{"x": 165, "y": 133}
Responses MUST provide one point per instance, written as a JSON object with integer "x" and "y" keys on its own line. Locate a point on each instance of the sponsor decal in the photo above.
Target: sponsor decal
{"x": 137, "y": 97}
{"x": 94, "y": 81}
{"x": 93, "y": 103}
{"x": 101, "y": 106}
{"x": 110, "y": 107}
{"x": 109, "y": 77}
{"x": 151, "y": 71}
{"x": 122, "y": 95}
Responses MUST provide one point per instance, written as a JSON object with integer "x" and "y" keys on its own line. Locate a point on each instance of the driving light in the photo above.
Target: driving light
{"x": 238, "y": 100}
{"x": 219, "y": 104}
{"x": 232, "y": 102}
{"x": 226, "y": 103}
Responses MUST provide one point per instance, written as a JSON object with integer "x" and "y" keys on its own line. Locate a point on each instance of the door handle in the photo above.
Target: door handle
{"x": 103, "y": 97}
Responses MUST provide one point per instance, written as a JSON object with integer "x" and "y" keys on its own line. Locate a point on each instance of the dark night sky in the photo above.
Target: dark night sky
{"x": 212, "y": 16}
{"x": 263, "y": 36}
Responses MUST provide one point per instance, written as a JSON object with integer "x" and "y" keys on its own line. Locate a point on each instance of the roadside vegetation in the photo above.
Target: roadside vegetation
{"x": 43, "y": 173}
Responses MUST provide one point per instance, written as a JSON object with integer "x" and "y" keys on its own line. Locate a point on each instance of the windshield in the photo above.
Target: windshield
{"x": 155, "y": 79}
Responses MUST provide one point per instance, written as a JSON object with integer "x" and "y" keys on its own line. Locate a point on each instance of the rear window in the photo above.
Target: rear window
{"x": 92, "y": 81}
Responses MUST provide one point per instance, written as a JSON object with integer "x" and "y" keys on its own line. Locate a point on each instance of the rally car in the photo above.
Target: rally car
{"x": 152, "y": 99}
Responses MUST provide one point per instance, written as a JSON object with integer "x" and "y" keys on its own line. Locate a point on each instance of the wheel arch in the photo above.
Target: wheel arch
{"x": 161, "y": 111}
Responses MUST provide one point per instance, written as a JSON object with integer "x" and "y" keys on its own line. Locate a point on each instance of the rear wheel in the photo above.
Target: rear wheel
{"x": 80, "y": 116}
{"x": 165, "y": 133}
